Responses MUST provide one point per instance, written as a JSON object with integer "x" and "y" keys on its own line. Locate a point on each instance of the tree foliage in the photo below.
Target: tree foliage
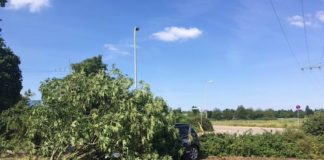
{"x": 240, "y": 113}
{"x": 200, "y": 124}
{"x": 250, "y": 114}
{"x": 14, "y": 125}
{"x": 228, "y": 114}
{"x": 90, "y": 66}
{"x": 314, "y": 124}
{"x": 10, "y": 77}
{"x": 216, "y": 114}
{"x": 3, "y": 3}
{"x": 98, "y": 116}
{"x": 308, "y": 111}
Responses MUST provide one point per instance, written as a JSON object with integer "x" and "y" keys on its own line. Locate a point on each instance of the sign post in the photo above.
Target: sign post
{"x": 298, "y": 109}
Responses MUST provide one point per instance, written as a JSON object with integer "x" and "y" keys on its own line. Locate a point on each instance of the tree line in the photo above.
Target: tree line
{"x": 244, "y": 113}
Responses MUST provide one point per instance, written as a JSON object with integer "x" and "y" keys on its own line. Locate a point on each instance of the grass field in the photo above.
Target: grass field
{"x": 278, "y": 123}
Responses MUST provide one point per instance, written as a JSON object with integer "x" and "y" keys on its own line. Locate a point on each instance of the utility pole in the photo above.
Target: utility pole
{"x": 205, "y": 99}
{"x": 0, "y": 28}
{"x": 135, "y": 57}
{"x": 298, "y": 109}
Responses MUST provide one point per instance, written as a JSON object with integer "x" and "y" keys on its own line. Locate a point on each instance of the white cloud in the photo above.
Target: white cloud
{"x": 298, "y": 21}
{"x": 171, "y": 34}
{"x": 32, "y": 5}
{"x": 312, "y": 20}
{"x": 320, "y": 16}
{"x": 117, "y": 49}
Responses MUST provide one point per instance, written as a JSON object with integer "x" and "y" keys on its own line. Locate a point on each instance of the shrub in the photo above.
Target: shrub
{"x": 206, "y": 124}
{"x": 314, "y": 124}
{"x": 312, "y": 145}
{"x": 195, "y": 122}
{"x": 217, "y": 145}
{"x": 267, "y": 144}
{"x": 290, "y": 143}
{"x": 14, "y": 124}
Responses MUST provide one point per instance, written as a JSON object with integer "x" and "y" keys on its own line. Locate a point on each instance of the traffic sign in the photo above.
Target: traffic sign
{"x": 298, "y": 108}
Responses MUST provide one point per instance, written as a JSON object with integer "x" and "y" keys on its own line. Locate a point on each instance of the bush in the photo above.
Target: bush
{"x": 264, "y": 145}
{"x": 291, "y": 143}
{"x": 206, "y": 124}
{"x": 314, "y": 124}
{"x": 216, "y": 145}
{"x": 312, "y": 145}
{"x": 14, "y": 124}
{"x": 195, "y": 122}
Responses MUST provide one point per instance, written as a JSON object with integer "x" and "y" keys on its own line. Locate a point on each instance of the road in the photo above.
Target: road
{"x": 241, "y": 129}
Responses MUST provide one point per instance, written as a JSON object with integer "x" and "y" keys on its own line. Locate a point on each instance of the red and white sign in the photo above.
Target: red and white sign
{"x": 298, "y": 108}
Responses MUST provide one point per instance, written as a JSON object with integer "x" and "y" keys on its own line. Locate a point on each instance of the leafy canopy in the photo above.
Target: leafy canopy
{"x": 3, "y": 3}
{"x": 90, "y": 117}
{"x": 90, "y": 66}
{"x": 10, "y": 77}
{"x": 314, "y": 124}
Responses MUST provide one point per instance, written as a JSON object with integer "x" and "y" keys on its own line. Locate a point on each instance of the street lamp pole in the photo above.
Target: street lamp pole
{"x": 135, "y": 57}
{"x": 205, "y": 99}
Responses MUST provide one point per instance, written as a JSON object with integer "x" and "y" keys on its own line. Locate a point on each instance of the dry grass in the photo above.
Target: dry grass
{"x": 278, "y": 123}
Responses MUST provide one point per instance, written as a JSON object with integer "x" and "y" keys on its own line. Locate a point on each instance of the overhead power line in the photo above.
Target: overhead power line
{"x": 319, "y": 66}
{"x": 284, "y": 34}
{"x": 65, "y": 69}
{"x": 305, "y": 32}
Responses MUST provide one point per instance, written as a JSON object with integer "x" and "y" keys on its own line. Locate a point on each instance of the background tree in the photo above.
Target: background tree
{"x": 228, "y": 114}
{"x": 10, "y": 77}
{"x": 269, "y": 114}
{"x": 217, "y": 114}
{"x": 258, "y": 114}
{"x": 3, "y": 3}
{"x": 250, "y": 114}
{"x": 90, "y": 66}
{"x": 308, "y": 111}
{"x": 177, "y": 110}
{"x": 209, "y": 114}
{"x": 240, "y": 112}
{"x": 195, "y": 110}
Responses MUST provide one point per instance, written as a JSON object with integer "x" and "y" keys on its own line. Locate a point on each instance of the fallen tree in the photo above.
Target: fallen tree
{"x": 92, "y": 113}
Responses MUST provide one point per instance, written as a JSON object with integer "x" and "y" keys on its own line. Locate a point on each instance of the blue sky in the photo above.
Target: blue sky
{"x": 182, "y": 45}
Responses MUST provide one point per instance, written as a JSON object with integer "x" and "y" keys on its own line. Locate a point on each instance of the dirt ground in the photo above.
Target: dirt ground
{"x": 241, "y": 130}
